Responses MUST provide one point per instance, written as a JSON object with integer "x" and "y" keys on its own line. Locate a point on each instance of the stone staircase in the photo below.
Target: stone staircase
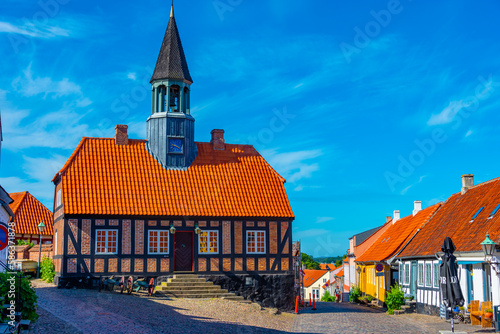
{"x": 409, "y": 307}
{"x": 192, "y": 286}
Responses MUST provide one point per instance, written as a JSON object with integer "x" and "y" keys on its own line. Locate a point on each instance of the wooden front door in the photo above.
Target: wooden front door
{"x": 183, "y": 247}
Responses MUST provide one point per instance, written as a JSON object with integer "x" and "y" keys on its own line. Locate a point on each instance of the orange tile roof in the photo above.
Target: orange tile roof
{"x": 312, "y": 276}
{"x": 454, "y": 220}
{"x": 331, "y": 266}
{"x": 28, "y": 213}
{"x": 340, "y": 273}
{"x": 397, "y": 236}
{"x": 327, "y": 284}
{"x": 103, "y": 178}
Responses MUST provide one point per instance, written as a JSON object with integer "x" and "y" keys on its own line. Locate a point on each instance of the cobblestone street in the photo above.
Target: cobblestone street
{"x": 352, "y": 318}
{"x": 87, "y": 311}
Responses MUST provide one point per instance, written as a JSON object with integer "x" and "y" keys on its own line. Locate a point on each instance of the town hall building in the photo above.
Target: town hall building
{"x": 168, "y": 204}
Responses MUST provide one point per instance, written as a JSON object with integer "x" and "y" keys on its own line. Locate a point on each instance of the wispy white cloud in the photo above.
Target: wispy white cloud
{"x": 447, "y": 114}
{"x": 405, "y": 190}
{"x": 470, "y": 132}
{"x": 321, "y": 220}
{"x": 132, "y": 76}
{"x": 294, "y": 166}
{"x": 31, "y": 30}
{"x": 28, "y": 85}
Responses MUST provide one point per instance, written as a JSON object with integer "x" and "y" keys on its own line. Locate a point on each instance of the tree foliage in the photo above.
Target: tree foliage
{"x": 309, "y": 262}
{"x": 16, "y": 289}
{"x": 47, "y": 269}
{"x": 354, "y": 295}
{"x": 395, "y": 298}
{"x": 327, "y": 297}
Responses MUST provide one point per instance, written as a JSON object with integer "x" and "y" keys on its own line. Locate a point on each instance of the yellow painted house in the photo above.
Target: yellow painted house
{"x": 375, "y": 270}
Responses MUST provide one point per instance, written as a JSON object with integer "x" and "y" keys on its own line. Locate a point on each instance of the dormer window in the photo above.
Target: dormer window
{"x": 494, "y": 211}
{"x": 478, "y": 212}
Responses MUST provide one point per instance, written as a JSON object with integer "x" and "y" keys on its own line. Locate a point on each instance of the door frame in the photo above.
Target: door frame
{"x": 413, "y": 279}
{"x": 192, "y": 252}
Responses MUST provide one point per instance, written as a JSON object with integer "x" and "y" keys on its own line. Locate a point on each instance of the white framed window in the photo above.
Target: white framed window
{"x": 324, "y": 280}
{"x": 256, "y": 242}
{"x": 315, "y": 293}
{"x": 158, "y": 242}
{"x": 420, "y": 272}
{"x": 105, "y": 241}
{"x": 58, "y": 198}
{"x": 407, "y": 273}
{"x": 208, "y": 242}
{"x": 428, "y": 274}
{"x": 436, "y": 275}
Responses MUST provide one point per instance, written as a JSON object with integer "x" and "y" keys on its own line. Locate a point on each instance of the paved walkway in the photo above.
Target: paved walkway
{"x": 352, "y": 318}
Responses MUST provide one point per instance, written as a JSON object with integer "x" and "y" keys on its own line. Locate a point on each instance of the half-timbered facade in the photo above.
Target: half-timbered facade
{"x": 169, "y": 204}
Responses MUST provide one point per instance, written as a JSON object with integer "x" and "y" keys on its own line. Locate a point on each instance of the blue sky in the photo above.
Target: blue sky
{"x": 364, "y": 107}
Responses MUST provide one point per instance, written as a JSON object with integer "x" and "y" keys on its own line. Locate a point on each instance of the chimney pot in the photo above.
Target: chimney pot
{"x": 388, "y": 219}
{"x": 121, "y": 136}
{"x": 417, "y": 207}
{"x": 217, "y": 140}
{"x": 396, "y": 216}
{"x": 467, "y": 182}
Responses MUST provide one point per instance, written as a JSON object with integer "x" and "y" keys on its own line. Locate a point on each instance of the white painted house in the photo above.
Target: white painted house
{"x": 466, "y": 217}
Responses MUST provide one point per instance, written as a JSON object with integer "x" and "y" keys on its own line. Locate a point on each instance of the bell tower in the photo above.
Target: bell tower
{"x": 170, "y": 128}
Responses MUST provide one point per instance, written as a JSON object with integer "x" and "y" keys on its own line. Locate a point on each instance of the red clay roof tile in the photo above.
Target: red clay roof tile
{"x": 28, "y": 213}
{"x": 312, "y": 276}
{"x": 397, "y": 236}
{"x": 101, "y": 178}
{"x": 453, "y": 220}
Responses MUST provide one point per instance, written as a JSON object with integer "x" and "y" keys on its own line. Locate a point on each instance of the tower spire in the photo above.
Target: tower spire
{"x": 172, "y": 9}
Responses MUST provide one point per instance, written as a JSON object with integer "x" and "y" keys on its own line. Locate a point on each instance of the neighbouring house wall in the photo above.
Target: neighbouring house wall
{"x": 478, "y": 282}
{"x": 47, "y": 251}
{"x": 79, "y": 257}
{"x": 318, "y": 285}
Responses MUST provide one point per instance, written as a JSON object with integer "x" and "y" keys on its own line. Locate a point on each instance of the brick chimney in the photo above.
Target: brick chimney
{"x": 121, "y": 136}
{"x": 396, "y": 216}
{"x": 467, "y": 182}
{"x": 388, "y": 219}
{"x": 417, "y": 207}
{"x": 217, "y": 140}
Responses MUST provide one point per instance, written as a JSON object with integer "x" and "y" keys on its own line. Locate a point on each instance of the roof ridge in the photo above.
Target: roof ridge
{"x": 23, "y": 195}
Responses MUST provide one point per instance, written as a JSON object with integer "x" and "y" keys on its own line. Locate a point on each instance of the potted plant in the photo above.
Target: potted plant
{"x": 488, "y": 313}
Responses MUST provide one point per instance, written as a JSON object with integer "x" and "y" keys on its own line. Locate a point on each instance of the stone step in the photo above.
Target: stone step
{"x": 186, "y": 280}
{"x": 185, "y": 276}
{"x": 398, "y": 312}
{"x": 194, "y": 292}
{"x": 191, "y": 287}
{"x": 174, "y": 284}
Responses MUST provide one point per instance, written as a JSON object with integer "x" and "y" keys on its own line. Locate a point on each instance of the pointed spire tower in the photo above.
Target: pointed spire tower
{"x": 170, "y": 128}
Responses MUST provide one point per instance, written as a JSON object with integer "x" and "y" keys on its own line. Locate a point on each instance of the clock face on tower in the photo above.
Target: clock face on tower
{"x": 175, "y": 145}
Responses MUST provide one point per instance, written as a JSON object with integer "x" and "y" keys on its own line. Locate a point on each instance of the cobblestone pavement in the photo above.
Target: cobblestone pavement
{"x": 352, "y": 318}
{"x": 87, "y": 311}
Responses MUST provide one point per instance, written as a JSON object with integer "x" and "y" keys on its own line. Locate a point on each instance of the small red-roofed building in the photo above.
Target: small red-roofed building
{"x": 170, "y": 204}
{"x": 466, "y": 217}
{"x": 28, "y": 213}
{"x": 376, "y": 267}
{"x": 315, "y": 284}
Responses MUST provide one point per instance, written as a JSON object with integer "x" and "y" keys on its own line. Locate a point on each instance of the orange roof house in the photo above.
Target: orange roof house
{"x": 465, "y": 217}
{"x": 374, "y": 265}
{"x": 170, "y": 204}
{"x": 28, "y": 213}
{"x": 397, "y": 236}
{"x": 327, "y": 266}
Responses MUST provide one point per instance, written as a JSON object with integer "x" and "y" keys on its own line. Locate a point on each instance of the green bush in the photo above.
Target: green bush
{"x": 24, "y": 296}
{"x": 24, "y": 242}
{"x": 395, "y": 298}
{"x": 47, "y": 269}
{"x": 327, "y": 297}
{"x": 354, "y": 295}
{"x": 369, "y": 298}
{"x": 391, "y": 312}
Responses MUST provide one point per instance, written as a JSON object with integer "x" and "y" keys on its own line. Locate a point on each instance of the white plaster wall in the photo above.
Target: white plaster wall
{"x": 478, "y": 283}
{"x": 495, "y": 283}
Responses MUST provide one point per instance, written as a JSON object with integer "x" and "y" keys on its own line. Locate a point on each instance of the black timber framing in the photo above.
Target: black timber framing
{"x": 77, "y": 240}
